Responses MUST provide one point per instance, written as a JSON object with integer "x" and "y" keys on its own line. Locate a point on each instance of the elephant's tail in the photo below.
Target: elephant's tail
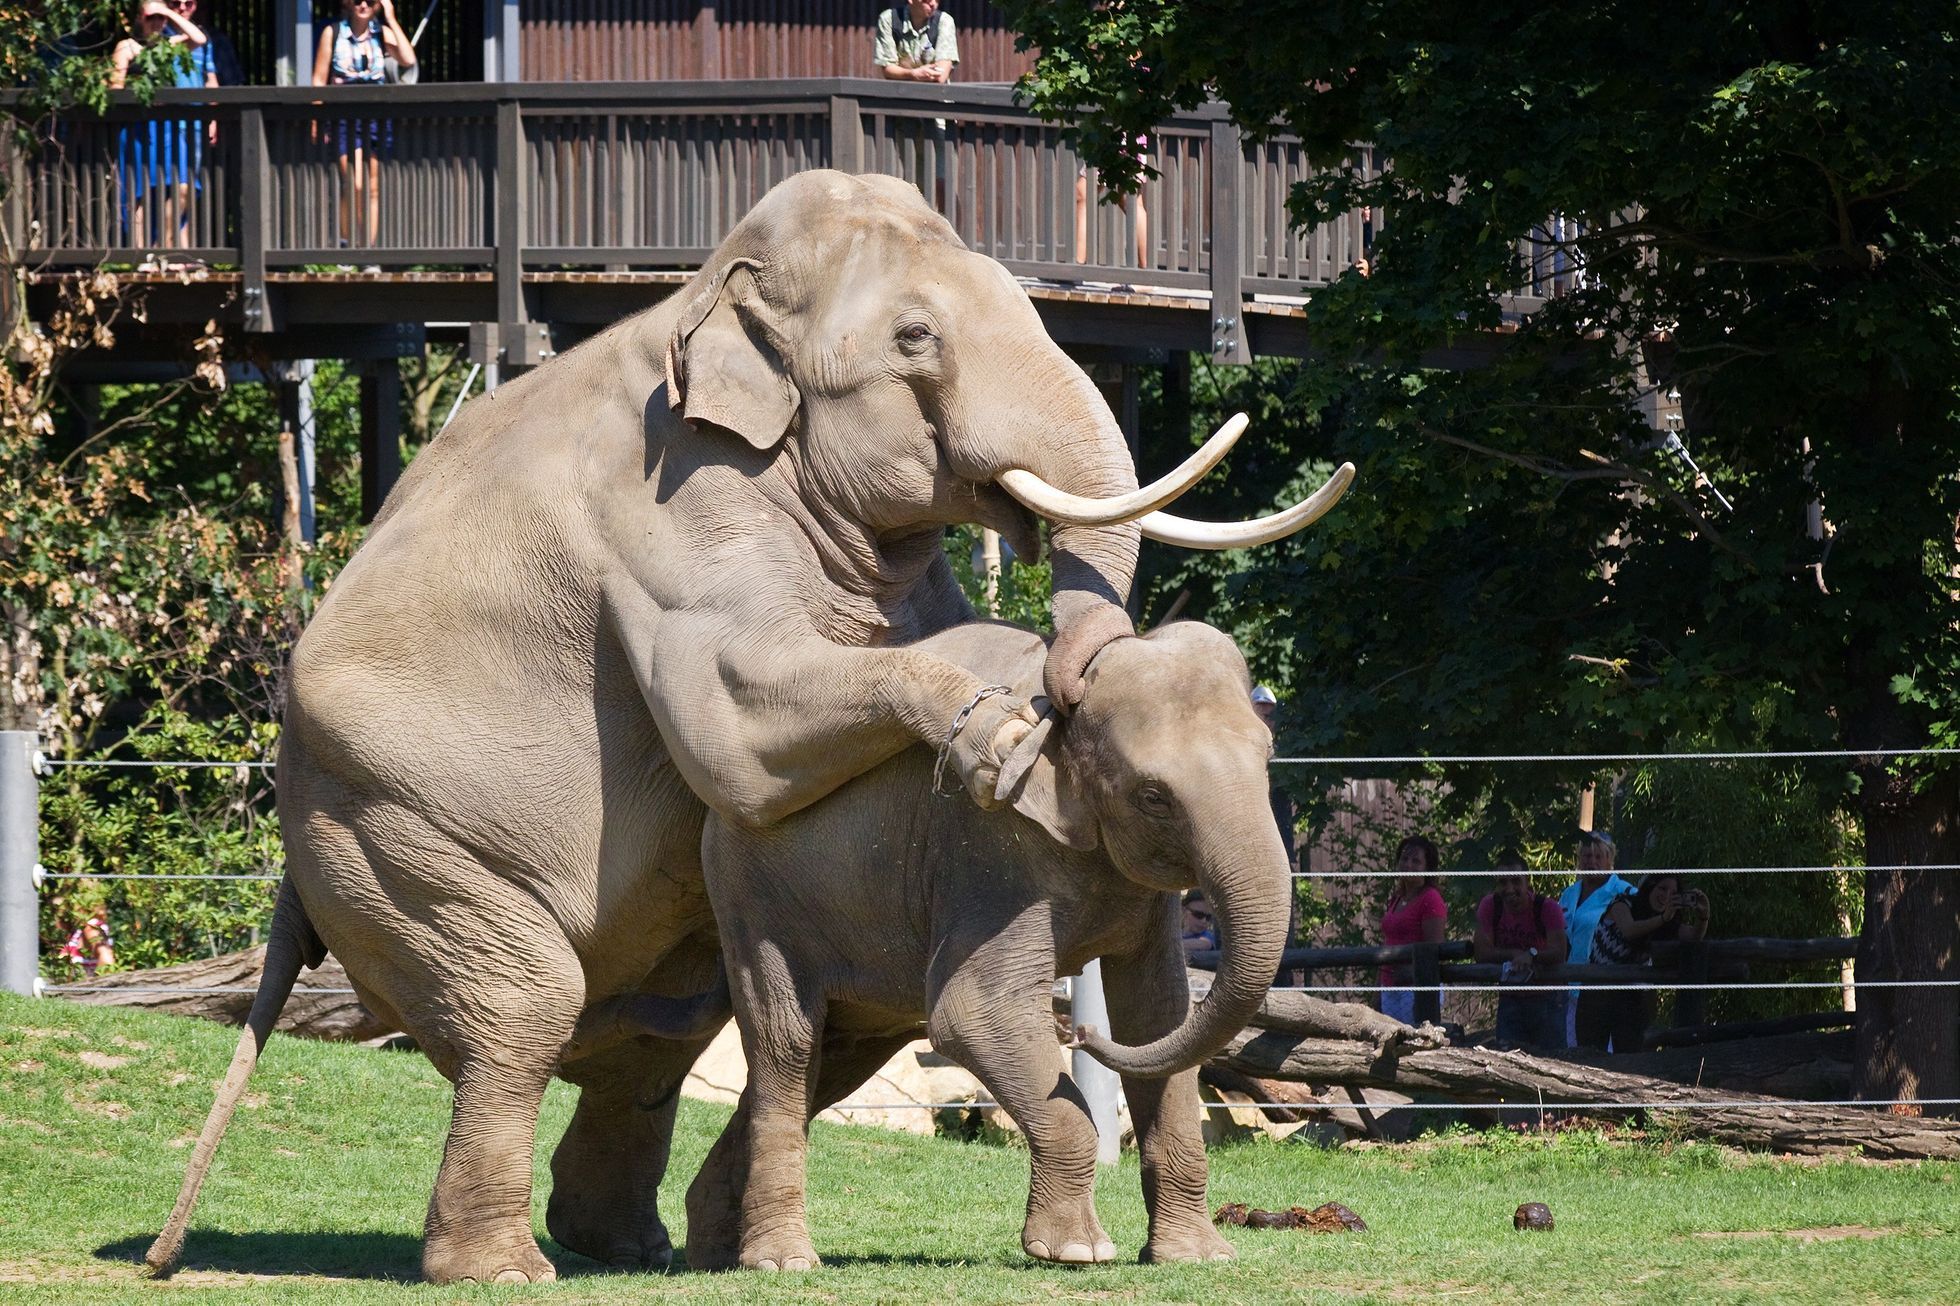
{"x": 293, "y": 944}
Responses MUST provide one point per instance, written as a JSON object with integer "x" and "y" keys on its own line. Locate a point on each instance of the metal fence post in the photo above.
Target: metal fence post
{"x": 20, "y": 851}
{"x": 1098, "y": 1082}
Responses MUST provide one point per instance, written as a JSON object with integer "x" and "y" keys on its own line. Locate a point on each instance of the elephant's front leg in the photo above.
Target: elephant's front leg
{"x": 998, "y": 1024}
{"x": 1148, "y": 995}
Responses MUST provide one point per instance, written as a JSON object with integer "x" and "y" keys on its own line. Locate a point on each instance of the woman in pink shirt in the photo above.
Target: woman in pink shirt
{"x": 1414, "y": 914}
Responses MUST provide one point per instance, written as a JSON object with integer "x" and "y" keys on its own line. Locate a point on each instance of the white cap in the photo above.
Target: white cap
{"x": 1261, "y": 694}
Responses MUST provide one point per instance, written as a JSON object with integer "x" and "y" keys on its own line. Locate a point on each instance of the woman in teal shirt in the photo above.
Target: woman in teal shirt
{"x": 1584, "y": 902}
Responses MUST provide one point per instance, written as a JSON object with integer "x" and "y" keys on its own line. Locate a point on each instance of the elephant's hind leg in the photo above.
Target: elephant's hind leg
{"x": 606, "y": 1173}
{"x": 503, "y": 1034}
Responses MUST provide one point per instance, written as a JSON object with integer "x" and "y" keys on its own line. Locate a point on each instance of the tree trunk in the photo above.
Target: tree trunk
{"x": 1514, "y": 1079}
{"x": 338, "y": 1016}
{"x": 1908, "y": 1042}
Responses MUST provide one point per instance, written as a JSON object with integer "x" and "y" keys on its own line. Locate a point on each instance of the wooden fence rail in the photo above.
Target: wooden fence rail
{"x": 511, "y": 177}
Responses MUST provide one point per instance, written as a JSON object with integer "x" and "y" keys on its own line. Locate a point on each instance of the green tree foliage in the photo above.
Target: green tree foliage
{"x": 1761, "y": 197}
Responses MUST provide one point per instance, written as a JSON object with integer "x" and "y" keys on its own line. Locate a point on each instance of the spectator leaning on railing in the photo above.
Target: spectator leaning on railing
{"x": 915, "y": 42}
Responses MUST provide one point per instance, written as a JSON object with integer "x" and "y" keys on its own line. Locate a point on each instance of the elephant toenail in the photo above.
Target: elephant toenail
{"x": 512, "y": 1276}
{"x": 1075, "y": 1254}
{"x": 1105, "y": 1251}
{"x": 1038, "y": 1249}
{"x": 797, "y": 1263}
{"x": 766, "y": 1264}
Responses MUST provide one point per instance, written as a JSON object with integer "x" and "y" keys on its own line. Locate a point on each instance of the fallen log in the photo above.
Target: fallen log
{"x": 1516, "y": 1079}
{"x": 1311, "y": 1017}
{"x": 1815, "y": 1066}
{"x": 185, "y": 990}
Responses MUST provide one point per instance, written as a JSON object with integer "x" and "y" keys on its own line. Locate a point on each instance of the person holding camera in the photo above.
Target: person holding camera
{"x": 1658, "y": 908}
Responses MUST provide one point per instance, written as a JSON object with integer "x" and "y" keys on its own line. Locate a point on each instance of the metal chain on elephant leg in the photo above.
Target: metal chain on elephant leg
{"x": 960, "y": 719}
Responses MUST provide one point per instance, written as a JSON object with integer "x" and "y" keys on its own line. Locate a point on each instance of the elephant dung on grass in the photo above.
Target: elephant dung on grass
{"x": 679, "y": 569}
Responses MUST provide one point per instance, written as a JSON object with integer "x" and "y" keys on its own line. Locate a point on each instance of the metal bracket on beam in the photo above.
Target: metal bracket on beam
{"x": 510, "y": 344}
{"x": 1228, "y": 342}
{"x": 526, "y": 344}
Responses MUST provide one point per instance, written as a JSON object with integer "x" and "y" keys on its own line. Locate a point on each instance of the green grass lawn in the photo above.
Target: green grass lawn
{"x": 319, "y": 1190}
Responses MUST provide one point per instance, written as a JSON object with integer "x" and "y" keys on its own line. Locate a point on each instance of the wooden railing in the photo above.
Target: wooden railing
{"x": 1690, "y": 962}
{"x": 518, "y": 176}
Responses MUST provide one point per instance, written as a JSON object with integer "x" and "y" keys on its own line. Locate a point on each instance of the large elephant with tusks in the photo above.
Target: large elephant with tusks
{"x": 676, "y": 569}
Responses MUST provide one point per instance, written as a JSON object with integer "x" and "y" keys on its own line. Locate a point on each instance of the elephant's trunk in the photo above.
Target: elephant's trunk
{"x": 1078, "y": 447}
{"x": 1250, "y": 892}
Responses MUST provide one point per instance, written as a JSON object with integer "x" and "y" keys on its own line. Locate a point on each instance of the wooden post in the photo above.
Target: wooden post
{"x": 1228, "y": 335}
{"x": 518, "y": 344}
{"x": 254, "y": 217}
{"x": 846, "y": 134}
{"x": 1425, "y": 975}
{"x": 381, "y": 433}
{"x": 1691, "y": 1005}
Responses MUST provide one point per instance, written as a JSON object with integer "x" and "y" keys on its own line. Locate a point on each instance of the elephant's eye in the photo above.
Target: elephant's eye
{"x": 915, "y": 333}
{"x": 1154, "y": 799}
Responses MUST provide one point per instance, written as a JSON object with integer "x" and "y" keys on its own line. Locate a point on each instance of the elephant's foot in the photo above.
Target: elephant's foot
{"x": 1067, "y": 1237}
{"x": 786, "y": 1249}
{"x": 624, "y": 1237}
{"x": 464, "y": 1259}
{"x": 1195, "y": 1242}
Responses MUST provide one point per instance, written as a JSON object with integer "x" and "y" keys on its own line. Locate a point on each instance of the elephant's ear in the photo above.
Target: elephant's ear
{"x": 722, "y": 367}
{"x": 1034, "y": 780}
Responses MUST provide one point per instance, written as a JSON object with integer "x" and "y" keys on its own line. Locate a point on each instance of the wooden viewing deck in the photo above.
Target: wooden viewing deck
{"x": 537, "y": 212}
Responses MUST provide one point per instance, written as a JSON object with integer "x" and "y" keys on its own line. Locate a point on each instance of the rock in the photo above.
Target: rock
{"x": 1533, "y": 1217}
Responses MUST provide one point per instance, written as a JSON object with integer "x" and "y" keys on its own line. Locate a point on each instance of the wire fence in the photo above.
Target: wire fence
{"x": 44, "y": 765}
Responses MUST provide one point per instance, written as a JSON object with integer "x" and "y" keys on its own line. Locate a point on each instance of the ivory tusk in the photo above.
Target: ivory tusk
{"x": 1076, "y": 510}
{"x": 1184, "y": 532}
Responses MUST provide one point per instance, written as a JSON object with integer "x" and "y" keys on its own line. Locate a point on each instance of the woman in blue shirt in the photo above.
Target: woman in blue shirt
{"x": 1584, "y": 901}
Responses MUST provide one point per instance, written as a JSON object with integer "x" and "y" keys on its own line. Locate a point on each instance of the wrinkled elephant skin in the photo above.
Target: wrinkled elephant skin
{"x": 883, "y": 908}
{"x": 667, "y": 573}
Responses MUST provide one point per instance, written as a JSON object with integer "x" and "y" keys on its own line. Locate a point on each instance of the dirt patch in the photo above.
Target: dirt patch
{"x": 34, "y": 1126}
{"x": 29, "y": 1067}
{"x": 1825, "y": 1234}
{"x": 96, "y": 1107}
{"x": 101, "y": 1060}
{"x": 129, "y": 1043}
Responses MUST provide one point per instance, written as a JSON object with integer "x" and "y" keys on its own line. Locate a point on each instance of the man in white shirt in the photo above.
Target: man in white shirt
{"x": 914, "y": 42}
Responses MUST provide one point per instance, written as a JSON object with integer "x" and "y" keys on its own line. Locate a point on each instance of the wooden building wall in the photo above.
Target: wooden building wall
{"x": 685, "y": 40}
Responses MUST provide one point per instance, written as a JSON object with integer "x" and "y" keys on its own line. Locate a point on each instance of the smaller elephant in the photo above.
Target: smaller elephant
{"x": 883, "y": 908}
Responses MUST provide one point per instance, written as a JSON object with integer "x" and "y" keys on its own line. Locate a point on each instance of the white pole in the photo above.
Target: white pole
{"x": 1099, "y": 1084}
{"x": 990, "y": 567}
{"x": 20, "y": 849}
